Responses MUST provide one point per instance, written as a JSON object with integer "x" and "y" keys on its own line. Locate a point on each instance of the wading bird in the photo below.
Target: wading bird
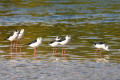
{"x": 34, "y": 44}
{"x": 63, "y": 42}
{"x": 19, "y": 37}
{"x": 100, "y": 46}
{"x": 12, "y": 38}
{"x": 54, "y": 43}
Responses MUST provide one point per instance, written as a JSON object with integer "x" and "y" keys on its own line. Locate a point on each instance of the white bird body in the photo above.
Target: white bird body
{"x": 65, "y": 41}
{"x": 13, "y": 36}
{"x": 36, "y": 43}
{"x": 55, "y": 42}
{"x": 101, "y": 45}
{"x": 21, "y": 34}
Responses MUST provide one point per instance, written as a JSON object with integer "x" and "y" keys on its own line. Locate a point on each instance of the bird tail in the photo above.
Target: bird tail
{"x": 7, "y": 38}
{"x": 26, "y": 44}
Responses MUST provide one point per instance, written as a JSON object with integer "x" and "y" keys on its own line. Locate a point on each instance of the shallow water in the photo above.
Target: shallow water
{"x": 58, "y": 70}
{"x": 87, "y": 21}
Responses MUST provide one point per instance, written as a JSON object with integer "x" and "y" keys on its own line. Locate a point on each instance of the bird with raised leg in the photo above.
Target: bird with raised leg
{"x": 54, "y": 43}
{"x": 100, "y": 46}
{"x": 20, "y": 36}
{"x": 34, "y": 44}
{"x": 12, "y": 38}
{"x": 63, "y": 42}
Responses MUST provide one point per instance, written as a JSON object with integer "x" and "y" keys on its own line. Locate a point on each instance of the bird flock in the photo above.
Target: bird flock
{"x": 16, "y": 36}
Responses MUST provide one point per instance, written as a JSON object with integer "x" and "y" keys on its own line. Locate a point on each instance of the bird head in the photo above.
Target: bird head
{"x": 39, "y": 38}
{"x": 68, "y": 37}
{"x": 22, "y": 31}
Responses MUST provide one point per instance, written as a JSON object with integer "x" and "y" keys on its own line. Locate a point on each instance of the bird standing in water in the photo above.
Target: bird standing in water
{"x": 54, "y": 44}
{"x": 63, "y": 42}
{"x": 12, "y": 38}
{"x": 100, "y": 46}
{"x": 19, "y": 37}
{"x": 34, "y": 44}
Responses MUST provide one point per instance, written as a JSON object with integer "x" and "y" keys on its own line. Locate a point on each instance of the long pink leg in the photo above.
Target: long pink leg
{"x": 95, "y": 51}
{"x": 16, "y": 45}
{"x": 34, "y": 53}
{"x": 62, "y": 51}
{"x": 20, "y": 47}
{"x": 56, "y": 51}
{"x": 13, "y": 45}
{"x": 11, "y": 49}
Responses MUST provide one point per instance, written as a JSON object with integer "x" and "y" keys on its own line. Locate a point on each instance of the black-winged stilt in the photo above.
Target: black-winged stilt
{"x": 34, "y": 44}
{"x": 12, "y": 38}
{"x": 19, "y": 37}
{"x": 21, "y": 34}
{"x": 54, "y": 44}
{"x": 100, "y": 46}
{"x": 63, "y": 42}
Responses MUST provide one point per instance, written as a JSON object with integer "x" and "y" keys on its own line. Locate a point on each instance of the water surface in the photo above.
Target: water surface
{"x": 87, "y": 21}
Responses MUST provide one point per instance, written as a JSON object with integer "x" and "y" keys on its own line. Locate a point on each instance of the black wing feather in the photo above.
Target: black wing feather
{"x": 62, "y": 39}
{"x": 32, "y": 42}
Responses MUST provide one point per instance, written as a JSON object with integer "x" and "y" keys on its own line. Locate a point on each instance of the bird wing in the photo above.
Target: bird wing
{"x": 32, "y": 42}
